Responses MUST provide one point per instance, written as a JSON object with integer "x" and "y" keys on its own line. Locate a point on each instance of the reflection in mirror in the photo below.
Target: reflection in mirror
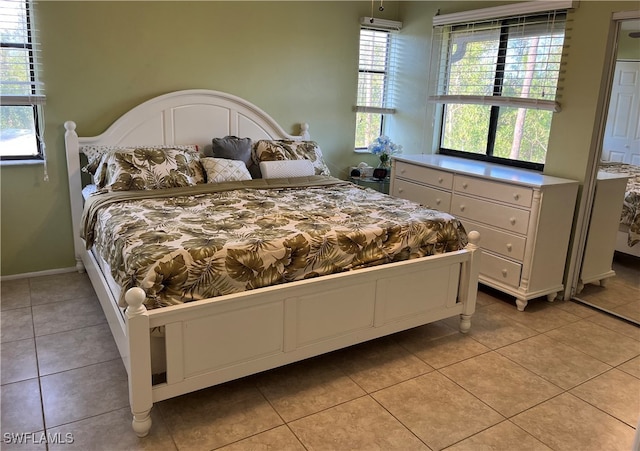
{"x": 610, "y": 272}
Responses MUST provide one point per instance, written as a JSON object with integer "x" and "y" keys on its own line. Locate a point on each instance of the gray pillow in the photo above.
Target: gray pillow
{"x": 232, "y": 148}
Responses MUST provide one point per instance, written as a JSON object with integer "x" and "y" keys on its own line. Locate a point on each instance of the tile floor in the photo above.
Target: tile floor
{"x": 621, "y": 294}
{"x": 558, "y": 376}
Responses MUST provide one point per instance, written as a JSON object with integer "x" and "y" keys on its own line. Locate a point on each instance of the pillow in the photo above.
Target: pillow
{"x": 232, "y": 148}
{"x": 286, "y": 168}
{"x": 222, "y": 170}
{"x": 95, "y": 153}
{"x": 266, "y": 150}
{"x": 147, "y": 168}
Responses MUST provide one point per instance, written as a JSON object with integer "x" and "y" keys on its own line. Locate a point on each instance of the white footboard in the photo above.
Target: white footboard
{"x": 224, "y": 338}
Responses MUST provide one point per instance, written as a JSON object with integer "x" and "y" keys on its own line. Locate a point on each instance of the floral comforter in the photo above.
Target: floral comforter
{"x": 185, "y": 244}
{"x": 631, "y": 203}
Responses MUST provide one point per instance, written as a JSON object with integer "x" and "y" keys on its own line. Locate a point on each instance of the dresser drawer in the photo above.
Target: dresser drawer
{"x": 500, "y": 269}
{"x": 494, "y": 240}
{"x": 441, "y": 179}
{"x": 429, "y": 197}
{"x": 503, "y": 192}
{"x": 508, "y": 218}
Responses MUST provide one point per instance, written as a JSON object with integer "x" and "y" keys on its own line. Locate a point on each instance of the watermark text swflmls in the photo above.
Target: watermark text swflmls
{"x": 23, "y": 438}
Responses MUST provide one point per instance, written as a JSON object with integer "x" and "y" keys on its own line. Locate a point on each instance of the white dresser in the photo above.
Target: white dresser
{"x": 524, "y": 218}
{"x": 603, "y": 229}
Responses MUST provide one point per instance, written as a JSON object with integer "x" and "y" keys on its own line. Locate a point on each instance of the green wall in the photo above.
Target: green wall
{"x": 295, "y": 60}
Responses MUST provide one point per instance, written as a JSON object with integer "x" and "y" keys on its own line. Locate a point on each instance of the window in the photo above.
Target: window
{"x": 21, "y": 95}
{"x": 376, "y": 70}
{"x": 497, "y": 81}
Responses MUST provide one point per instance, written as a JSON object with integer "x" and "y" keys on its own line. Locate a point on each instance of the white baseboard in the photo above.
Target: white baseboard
{"x": 48, "y": 272}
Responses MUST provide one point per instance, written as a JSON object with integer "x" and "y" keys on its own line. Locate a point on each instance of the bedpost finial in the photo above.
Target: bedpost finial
{"x": 474, "y": 238}
{"x": 304, "y": 131}
{"x": 135, "y": 299}
{"x": 70, "y": 126}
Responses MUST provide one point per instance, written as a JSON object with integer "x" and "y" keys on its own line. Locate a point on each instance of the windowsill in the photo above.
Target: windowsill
{"x": 34, "y": 162}
{"x": 361, "y": 151}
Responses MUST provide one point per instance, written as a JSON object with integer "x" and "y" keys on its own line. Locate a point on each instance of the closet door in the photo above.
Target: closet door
{"x": 622, "y": 134}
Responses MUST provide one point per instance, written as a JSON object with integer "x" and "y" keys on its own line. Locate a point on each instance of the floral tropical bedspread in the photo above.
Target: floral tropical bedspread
{"x": 185, "y": 244}
{"x": 631, "y": 203}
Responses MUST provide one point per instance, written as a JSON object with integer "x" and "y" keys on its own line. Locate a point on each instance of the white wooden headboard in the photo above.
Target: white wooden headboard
{"x": 193, "y": 116}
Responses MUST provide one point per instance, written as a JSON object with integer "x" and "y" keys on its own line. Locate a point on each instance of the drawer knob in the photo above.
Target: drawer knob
{"x": 516, "y": 196}
{"x": 440, "y": 180}
{"x": 509, "y": 247}
{"x": 462, "y": 207}
{"x": 464, "y": 185}
{"x": 402, "y": 171}
{"x": 504, "y": 273}
{"x": 438, "y": 201}
{"x": 400, "y": 190}
{"x": 512, "y": 221}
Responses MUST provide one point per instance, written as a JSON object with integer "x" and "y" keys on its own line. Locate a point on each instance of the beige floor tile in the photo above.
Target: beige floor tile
{"x": 60, "y": 287}
{"x": 631, "y": 367}
{"x": 67, "y": 315}
{"x": 616, "y": 325}
{"x": 539, "y": 316}
{"x": 16, "y": 324}
{"x": 556, "y": 362}
{"x": 18, "y": 361}
{"x": 380, "y": 364}
{"x": 15, "y": 294}
{"x": 575, "y": 308}
{"x": 75, "y": 348}
{"x": 84, "y": 392}
{"x": 502, "y": 384}
{"x": 614, "y": 392}
{"x": 504, "y": 436}
{"x": 630, "y": 310}
{"x": 437, "y": 410}
{"x": 361, "y": 424}
{"x": 494, "y": 330}
{"x": 603, "y": 344}
{"x": 307, "y": 387}
{"x": 20, "y": 407}
{"x": 35, "y": 441}
{"x": 218, "y": 416}
{"x": 428, "y": 332}
{"x": 566, "y": 423}
{"x": 445, "y": 350}
{"x": 277, "y": 439}
{"x": 112, "y": 431}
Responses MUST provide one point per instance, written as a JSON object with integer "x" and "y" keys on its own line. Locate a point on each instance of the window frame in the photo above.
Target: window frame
{"x": 386, "y": 107}
{"x": 506, "y": 24}
{"x": 34, "y": 99}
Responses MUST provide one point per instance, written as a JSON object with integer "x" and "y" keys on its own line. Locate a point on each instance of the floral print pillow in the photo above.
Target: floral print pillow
{"x": 266, "y": 150}
{"x": 95, "y": 154}
{"x": 147, "y": 168}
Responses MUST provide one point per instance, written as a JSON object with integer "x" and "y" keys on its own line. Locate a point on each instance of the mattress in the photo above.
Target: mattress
{"x": 630, "y": 217}
{"x": 198, "y": 242}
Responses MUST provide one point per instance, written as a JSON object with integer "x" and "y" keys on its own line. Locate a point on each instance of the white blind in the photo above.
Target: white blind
{"x": 376, "y": 71}
{"x": 512, "y": 61}
{"x": 19, "y": 62}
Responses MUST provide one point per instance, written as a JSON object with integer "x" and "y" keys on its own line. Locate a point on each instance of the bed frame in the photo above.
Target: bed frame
{"x": 267, "y": 327}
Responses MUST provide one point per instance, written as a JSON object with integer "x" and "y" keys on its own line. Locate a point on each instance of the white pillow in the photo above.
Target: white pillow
{"x": 222, "y": 170}
{"x": 286, "y": 168}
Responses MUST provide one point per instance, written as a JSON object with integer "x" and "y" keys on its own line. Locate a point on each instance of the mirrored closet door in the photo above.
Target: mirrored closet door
{"x": 609, "y": 277}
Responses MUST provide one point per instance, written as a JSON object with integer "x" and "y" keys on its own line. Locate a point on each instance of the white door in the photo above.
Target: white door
{"x": 622, "y": 133}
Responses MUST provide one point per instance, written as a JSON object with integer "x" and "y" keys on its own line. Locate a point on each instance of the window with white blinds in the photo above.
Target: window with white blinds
{"x": 21, "y": 92}
{"x": 376, "y": 81}
{"x": 498, "y": 82}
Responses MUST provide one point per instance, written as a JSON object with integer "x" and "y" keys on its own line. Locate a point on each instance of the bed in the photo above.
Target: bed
{"x": 175, "y": 335}
{"x": 629, "y": 230}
